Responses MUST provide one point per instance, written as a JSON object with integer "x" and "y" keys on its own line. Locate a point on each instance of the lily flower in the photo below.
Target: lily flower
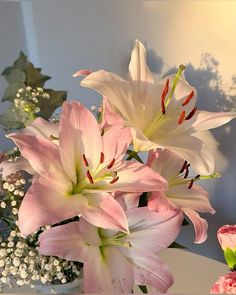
{"x": 40, "y": 128}
{"x": 182, "y": 193}
{"x": 77, "y": 176}
{"x": 161, "y": 114}
{"x": 113, "y": 260}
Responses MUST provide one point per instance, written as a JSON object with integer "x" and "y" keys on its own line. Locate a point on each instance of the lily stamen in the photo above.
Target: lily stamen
{"x": 183, "y": 167}
{"x": 190, "y": 184}
{"x": 191, "y": 114}
{"x": 111, "y": 164}
{"x": 186, "y": 171}
{"x": 101, "y": 158}
{"x": 114, "y": 180}
{"x": 89, "y": 176}
{"x": 181, "y": 117}
{"x": 85, "y": 161}
{"x": 163, "y": 97}
{"x": 188, "y": 98}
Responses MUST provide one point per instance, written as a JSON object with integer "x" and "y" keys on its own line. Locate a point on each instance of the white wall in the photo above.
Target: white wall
{"x": 12, "y": 41}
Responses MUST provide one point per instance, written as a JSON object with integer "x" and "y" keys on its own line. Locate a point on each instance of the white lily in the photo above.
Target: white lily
{"x": 161, "y": 114}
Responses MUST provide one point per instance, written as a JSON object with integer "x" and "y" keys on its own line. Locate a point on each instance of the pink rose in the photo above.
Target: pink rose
{"x": 227, "y": 236}
{"x": 225, "y": 284}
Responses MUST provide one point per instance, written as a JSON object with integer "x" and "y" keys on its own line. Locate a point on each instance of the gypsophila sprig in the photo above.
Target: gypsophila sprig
{"x": 21, "y": 264}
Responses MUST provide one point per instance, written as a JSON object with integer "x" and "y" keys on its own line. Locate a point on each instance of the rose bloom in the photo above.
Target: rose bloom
{"x": 225, "y": 284}
{"x": 227, "y": 236}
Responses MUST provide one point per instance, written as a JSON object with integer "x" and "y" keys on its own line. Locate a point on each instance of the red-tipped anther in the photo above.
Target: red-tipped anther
{"x": 101, "y": 158}
{"x": 183, "y": 167}
{"x": 181, "y": 117}
{"x": 186, "y": 171}
{"x": 197, "y": 176}
{"x": 190, "y": 184}
{"x": 111, "y": 164}
{"x": 163, "y": 108}
{"x": 190, "y": 115}
{"x": 163, "y": 97}
{"x": 114, "y": 180}
{"x": 188, "y": 98}
{"x": 85, "y": 161}
{"x": 89, "y": 176}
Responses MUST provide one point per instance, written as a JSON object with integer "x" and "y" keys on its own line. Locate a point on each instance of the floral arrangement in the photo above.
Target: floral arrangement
{"x": 92, "y": 203}
{"x": 227, "y": 238}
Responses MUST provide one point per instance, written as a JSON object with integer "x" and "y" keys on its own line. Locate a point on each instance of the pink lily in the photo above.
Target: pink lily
{"x": 159, "y": 112}
{"x": 40, "y": 128}
{"x": 114, "y": 261}
{"x": 182, "y": 193}
{"x": 77, "y": 176}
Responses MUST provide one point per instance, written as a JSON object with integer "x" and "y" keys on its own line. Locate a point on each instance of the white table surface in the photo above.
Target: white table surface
{"x": 193, "y": 273}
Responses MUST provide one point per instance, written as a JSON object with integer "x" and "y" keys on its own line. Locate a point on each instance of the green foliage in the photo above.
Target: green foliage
{"x": 230, "y": 257}
{"x": 21, "y": 75}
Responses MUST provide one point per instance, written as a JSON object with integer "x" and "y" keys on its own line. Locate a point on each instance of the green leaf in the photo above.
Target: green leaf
{"x": 48, "y": 106}
{"x": 14, "y": 118}
{"x": 143, "y": 289}
{"x": 185, "y": 222}
{"x": 10, "y": 92}
{"x": 176, "y": 245}
{"x": 15, "y": 75}
{"x": 230, "y": 257}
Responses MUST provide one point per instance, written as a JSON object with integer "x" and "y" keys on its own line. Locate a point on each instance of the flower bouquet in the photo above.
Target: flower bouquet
{"x": 111, "y": 187}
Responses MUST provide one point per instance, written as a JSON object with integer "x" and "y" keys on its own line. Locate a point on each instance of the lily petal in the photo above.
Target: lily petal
{"x": 49, "y": 200}
{"x": 200, "y": 225}
{"x": 33, "y": 149}
{"x": 138, "y": 69}
{"x": 42, "y": 128}
{"x": 110, "y": 273}
{"x": 150, "y": 270}
{"x": 208, "y": 120}
{"x": 193, "y": 150}
{"x": 79, "y": 133}
{"x": 115, "y": 143}
{"x": 153, "y": 230}
{"x": 136, "y": 177}
{"x": 7, "y": 168}
{"x": 104, "y": 211}
{"x": 67, "y": 242}
{"x": 195, "y": 198}
{"x": 158, "y": 201}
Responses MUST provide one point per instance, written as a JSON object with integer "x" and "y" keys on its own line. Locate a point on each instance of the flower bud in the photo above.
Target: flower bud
{"x": 227, "y": 238}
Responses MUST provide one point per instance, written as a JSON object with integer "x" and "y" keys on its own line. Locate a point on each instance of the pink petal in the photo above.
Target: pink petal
{"x": 7, "y": 168}
{"x": 138, "y": 69}
{"x": 110, "y": 273}
{"x": 200, "y": 225}
{"x": 153, "y": 230}
{"x": 195, "y": 198}
{"x": 158, "y": 201}
{"x": 127, "y": 200}
{"x": 136, "y": 177}
{"x": 42, "y": 154}
{"x": 79, "y": 135}
{"x": 165, "y": 162}
{"x": 42, "y": 128}
{"x": 109, "y": 117}
{"x": 207, "y": 120}
{"x": 49, "y": 200}
{"x": 150, "y": 270}
{"x": 115, "y": 143}
{"x": 82, "y": 73}
{"x": 67, "y": 242}
{"x": 104, "y": 211}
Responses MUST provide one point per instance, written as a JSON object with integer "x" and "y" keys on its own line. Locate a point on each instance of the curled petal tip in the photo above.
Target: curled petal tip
{"x": 82, "y": 73}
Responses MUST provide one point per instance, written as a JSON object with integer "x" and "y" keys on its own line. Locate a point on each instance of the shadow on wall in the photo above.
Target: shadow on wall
{"x": 214, "y": 97}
